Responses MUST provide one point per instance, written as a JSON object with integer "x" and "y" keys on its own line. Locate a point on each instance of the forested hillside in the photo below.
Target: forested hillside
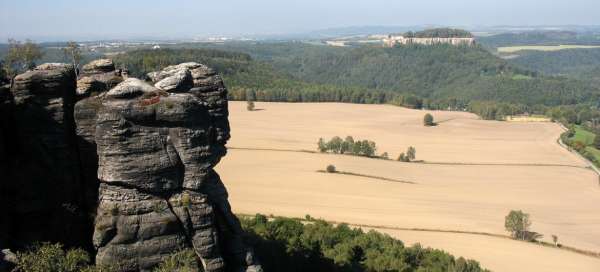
{"x": 539, "y": 38}
{"x": 583, "y": 64}
{"x": 431, "y": 72}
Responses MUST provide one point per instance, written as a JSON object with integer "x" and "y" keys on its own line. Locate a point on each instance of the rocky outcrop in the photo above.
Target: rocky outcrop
{"x": 157, "y": 148}
{"x": 42, "y": 183}
{"x": 98, "y": 76}
{"x": 205, "y": 84}
{"x": 137, "y": 157}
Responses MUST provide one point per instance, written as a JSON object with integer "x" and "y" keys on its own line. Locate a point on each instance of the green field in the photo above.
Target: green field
{"x": 513, "y": 49}
{"x": 584, "y": 136}
{"x": 587, "y": 138}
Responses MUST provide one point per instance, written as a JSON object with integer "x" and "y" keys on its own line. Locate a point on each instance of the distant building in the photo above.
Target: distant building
{"x": 393, "y": 40}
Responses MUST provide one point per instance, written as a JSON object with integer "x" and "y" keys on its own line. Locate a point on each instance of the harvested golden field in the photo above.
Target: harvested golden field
{"x": 474, "y": 173}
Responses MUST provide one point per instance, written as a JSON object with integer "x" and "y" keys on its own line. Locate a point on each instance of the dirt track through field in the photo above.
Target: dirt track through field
{"x": 485, "y": 169}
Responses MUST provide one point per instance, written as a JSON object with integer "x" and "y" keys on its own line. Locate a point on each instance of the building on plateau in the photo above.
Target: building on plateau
{"x": 393, "y": 40}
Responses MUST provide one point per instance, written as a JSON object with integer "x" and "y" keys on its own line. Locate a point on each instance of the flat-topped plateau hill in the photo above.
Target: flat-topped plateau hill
{"x": 473, "y": 173}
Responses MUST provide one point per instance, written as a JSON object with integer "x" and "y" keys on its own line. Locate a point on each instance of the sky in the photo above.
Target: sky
{"x": 107, "y": 19}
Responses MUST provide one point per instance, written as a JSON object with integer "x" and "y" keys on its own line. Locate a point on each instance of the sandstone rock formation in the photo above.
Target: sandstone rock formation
{"x": 138, "y": 157}
{"x": 98, "y": 76}
{"x": 159, "y": 192}
{"x": 42, "y": 186}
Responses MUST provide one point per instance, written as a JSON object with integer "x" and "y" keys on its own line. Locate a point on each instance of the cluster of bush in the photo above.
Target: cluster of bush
{"x": 409, "y": 155}
{"x": 292, "y": 245}
{"x": 348, "y": 146}
{"x": 365, "y": 148}
{"x": 46, "y": 257}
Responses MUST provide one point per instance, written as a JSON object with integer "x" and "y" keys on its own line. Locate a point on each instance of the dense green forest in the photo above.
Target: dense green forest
{"x": 440, "y": 33}
{"x": 292, "y": 245}
{"x": 582, "y": 64}
{"x": 539, "y": 38}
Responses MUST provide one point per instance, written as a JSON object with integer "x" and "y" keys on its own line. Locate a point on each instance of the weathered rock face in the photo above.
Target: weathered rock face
{"x": 159, "y": 192}
{"x": 207, "y": 85}
{"x": 43, "y": 184}
{"x": 98, "y": 77}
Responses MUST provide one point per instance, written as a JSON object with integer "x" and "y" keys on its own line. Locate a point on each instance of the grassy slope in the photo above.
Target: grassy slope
{"x": 586, "y": 137}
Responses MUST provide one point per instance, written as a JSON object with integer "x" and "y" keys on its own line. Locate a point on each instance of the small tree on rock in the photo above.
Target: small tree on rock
{"x": 73, "y": 54}
{"x": 555, "y": 239}
{"x": 330, "y": 168}
{"x": 517, "y": 223}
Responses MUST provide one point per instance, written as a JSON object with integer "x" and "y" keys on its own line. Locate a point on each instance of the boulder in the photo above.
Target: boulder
{"x": 99, "y": 66}
{"x": 98, "y": 76}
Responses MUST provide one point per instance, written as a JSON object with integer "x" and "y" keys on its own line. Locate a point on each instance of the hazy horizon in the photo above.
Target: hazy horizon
{"x": 111, "y": 19}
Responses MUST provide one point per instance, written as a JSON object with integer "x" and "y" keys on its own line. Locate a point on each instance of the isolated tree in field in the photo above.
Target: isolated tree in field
{"x": 250, "y": 105}
{"x": 21, "y": 56}
{"x": 330, "y": 168}
{"x": 411, "y": 154}
{"x": 555, "y": 239}
{"x": 385, "y": 155}
{"x": 73, "y": 54}
{"x": 517, "y": 223}
{"x": 428, "y": 120}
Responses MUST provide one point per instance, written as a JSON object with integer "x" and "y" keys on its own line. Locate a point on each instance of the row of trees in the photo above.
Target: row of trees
{"x": 315, "y": 245}
{"x": 366, "y": 148}
{"x": 348, "y": 145}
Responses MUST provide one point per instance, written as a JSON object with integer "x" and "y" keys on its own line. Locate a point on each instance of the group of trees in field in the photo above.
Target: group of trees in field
{"x": 314, "y": 245}
{"x": 518, "y": 223}
{"x": 366, "y": 148}
{"x": 348, "y": 145}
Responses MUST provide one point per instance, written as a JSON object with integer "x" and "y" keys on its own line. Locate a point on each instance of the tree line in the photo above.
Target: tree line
{"x": 284, "y": 244}
{"x": 348, "y": 145}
